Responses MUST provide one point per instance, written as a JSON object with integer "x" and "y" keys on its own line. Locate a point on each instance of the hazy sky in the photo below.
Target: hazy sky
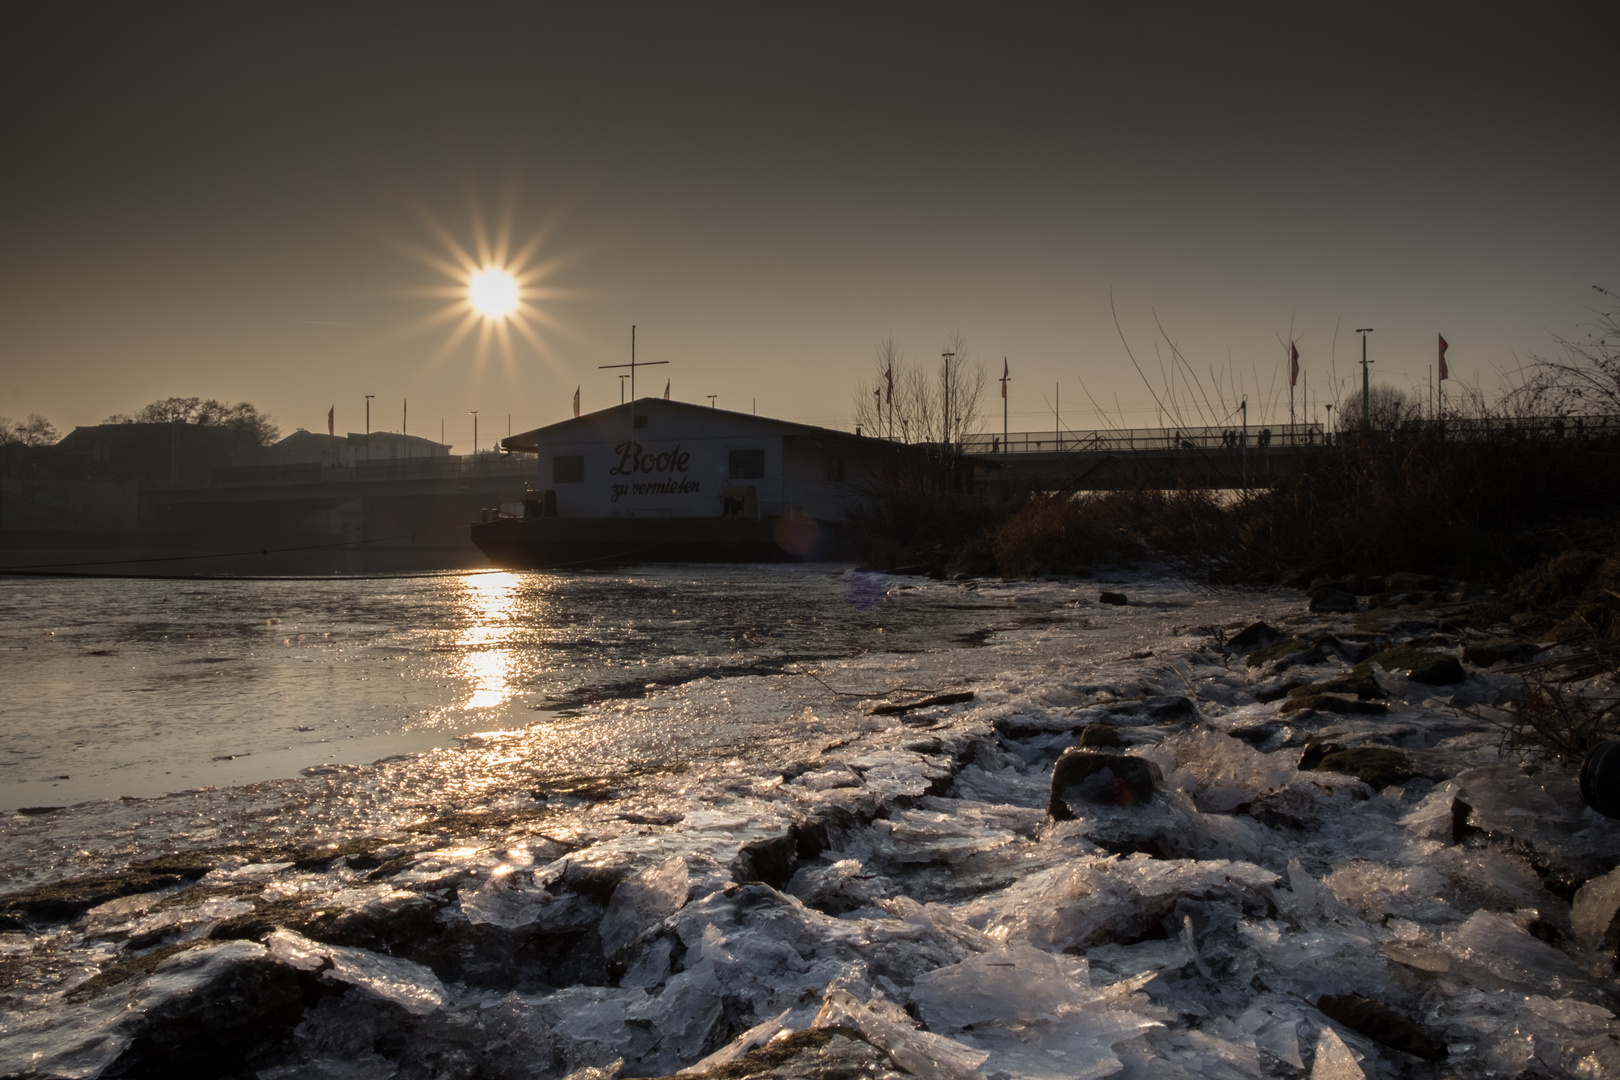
{"x": 232, "y": 201}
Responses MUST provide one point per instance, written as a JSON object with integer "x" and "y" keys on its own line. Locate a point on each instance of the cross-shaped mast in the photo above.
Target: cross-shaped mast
{"x": 632, "y": 365}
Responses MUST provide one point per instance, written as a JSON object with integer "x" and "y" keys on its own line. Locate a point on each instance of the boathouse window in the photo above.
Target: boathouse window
{"x": 747, "y": 465}
{"x": 568, "y": 469}
{"x": 835, "y": 469}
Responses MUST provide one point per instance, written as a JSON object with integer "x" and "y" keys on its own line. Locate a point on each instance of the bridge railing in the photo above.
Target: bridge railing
{"x": 1117, "y": 440}
{"x": 1283, "y": 436}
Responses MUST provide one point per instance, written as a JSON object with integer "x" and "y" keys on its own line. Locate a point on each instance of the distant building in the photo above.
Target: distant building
{"x": 154, "y": 454}
{"x": 307, "y": 447}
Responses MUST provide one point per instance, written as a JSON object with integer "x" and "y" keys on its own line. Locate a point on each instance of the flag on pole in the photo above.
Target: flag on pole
{"x": 666, "y": 389}
{"x": 888, "y": 378}
{"x": 331, "y": 421}
{"x": 1003, "y": 376}
{"x": 576, "y": 402}
{"x": 1444, "y": 374}
{"x": 1293, "y": 364}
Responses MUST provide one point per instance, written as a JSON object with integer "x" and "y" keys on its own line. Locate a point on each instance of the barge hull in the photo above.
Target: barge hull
{"x": 563, "y": 543}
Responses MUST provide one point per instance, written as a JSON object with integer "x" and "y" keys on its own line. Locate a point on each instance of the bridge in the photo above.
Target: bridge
{"x": 1230, "y": 457}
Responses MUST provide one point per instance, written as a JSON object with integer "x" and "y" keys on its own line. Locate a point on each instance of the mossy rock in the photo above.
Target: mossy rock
{"x": 1347, "y": 704}
{"x": 1254, "y": 636}
{"x": 1094, "y": 736}
{"x": 1332, "y": 599}
{"x": 1418, "y": 665}
{"x": 1376, "y": 766}
{"x": 1101, "y": 779}
{"x": 1310, "y": 652}
{"x": 1495, "y": 650}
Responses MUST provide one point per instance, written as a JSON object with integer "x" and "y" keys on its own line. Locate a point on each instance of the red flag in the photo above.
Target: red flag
{"x": 1004, "y": 376}
{"x": 1293, "y": 364}
{"x": 331, "y": 421}
{"x": 576, "y": 401}
{"x": 1444, "y": 374}
{"x": 666, "y": 389}
{"x": 888, "y": 377}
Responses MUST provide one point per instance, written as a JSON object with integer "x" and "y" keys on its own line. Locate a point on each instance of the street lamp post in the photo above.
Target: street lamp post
{"x": 368, "y": 425}
{"x": 947, "y": 357}
{"x": 1365, "y": 380}
{"x": 474, "y": 414}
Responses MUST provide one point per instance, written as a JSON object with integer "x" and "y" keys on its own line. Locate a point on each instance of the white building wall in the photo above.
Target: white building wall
{"x": 680, "y": 465}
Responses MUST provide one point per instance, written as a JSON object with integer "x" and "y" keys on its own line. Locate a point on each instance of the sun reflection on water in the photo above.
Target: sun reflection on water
{"x": 487, "y": 662}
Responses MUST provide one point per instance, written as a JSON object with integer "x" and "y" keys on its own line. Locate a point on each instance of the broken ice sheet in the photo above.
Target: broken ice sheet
{"x": 404, "y": 983}
{"x": 642, "y": 901}
{"x": 887, "y": 1027}
{"x": 1035, "y": 1013}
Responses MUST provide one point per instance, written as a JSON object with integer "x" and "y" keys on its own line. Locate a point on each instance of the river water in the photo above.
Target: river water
{"x": 140, "y": 687}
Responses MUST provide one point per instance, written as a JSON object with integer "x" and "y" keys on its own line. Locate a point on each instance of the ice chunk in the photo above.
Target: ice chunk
{"x": 651, "y": 966}
{"x": 643, "y": 901}
{"x": 1334, "y": 1060}
{"x": 1222, "y": 772}
{"x": 1431, "y": 819}
{"x": 1034, "y": 1012}
{"x": 1376, "y": 891}
{"x": 844, "y": 886}
{"x": 404, "y": 983}
{"x": 1013, "y": 981}
{"x": 682, "y": 1015}
{"x": 1492, "y": 952}
{"x": 752, "y": 1039}
{"x": 919, "y": 836}
{"x": 592, "y": 1014}
{"x": 367, "y": 1066}
{"x": 1596, "y": 903}
{"x": 887, "y": 1027}
{"x": 1092, "y": 900}
{"x": 510, "y": 901}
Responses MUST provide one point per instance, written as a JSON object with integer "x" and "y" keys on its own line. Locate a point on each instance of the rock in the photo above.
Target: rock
{"x": 1115, "y": 598}
{"x": 1411, "y": 583}
{"x": 1300, "y": 579}
{"x": 1495, "y": 650}
{"x": 1100, "y": 735}
{"x": 1375, "y": 766}
{"x": 1102, "y": 779}
{"x": 1254, "y": 636}
{"x": 1331, "y": 598}
{"x": 1418, "y": 665}
{"x": 1443, "y": 671}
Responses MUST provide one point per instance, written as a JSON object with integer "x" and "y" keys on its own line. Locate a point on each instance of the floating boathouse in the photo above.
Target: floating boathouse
{"x": 667, "y": 481}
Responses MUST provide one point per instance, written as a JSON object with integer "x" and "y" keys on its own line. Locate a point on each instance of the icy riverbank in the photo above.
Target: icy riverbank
{"x": 893, "y": 882}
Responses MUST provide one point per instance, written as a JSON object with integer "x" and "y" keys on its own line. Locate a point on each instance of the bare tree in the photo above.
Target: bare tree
{"x": 37, "y": 431}
{"x": 243, "y": 416}
{"x": 1388, "y": 407}
{"x": 1584, "y": 378}
{"x": 902, "y": 401}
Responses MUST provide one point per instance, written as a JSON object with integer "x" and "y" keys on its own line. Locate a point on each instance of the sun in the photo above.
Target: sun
{"x": 493, "y": 290}
{"x": 493, "y": 293}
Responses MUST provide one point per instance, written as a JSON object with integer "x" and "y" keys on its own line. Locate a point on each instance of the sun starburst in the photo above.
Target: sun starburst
{"x": 498, "y": 292}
